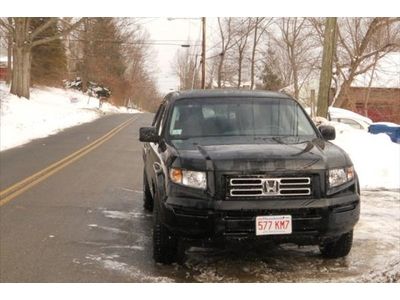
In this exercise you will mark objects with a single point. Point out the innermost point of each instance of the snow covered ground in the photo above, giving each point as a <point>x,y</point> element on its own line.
<point>49,111</point>
<point>375,157</point>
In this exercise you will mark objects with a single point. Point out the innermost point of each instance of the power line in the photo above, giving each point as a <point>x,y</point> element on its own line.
<point>132,43</point>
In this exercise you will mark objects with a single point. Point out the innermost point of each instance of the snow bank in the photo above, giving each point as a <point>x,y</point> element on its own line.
<point>375,157</point>
<point>47,112</point>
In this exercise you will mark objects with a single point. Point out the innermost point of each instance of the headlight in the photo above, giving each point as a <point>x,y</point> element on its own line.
<point>189,178</point>
<point>340,176</point>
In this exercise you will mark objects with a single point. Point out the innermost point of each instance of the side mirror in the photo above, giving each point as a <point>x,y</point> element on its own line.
<point>328,132</point>
<point>148,134</point>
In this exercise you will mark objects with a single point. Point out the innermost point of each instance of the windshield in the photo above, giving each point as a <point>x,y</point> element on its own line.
<point>238,117</point>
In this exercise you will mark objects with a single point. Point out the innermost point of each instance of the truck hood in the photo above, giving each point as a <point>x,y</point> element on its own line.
<point>259,154</point>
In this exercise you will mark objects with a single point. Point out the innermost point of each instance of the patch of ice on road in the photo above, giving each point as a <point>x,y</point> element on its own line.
<point>110,229</point>
<point>133,247</point>
<point>115,214</point>
<point>386,273</point>
<point>130,190</point>
<point>132,272</point>
<point>126,189</point>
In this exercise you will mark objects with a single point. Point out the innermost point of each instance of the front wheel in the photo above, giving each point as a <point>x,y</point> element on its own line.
<point>148,202</point>
<point>338,248</point>
<point>165,245</point>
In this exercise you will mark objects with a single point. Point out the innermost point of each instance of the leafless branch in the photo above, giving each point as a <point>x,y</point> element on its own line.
<point>60,34</point>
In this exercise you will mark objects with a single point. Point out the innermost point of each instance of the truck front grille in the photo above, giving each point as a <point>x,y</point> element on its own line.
<point>261,186</point>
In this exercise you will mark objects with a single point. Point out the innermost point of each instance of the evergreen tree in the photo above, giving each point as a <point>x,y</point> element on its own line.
<point>49,62</point>
<point>103,60</point>
<point>271,81</point>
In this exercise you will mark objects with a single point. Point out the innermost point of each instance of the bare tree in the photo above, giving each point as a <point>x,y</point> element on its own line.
<point>226,33</point>
<point>296,40</point>
<point>24,39</point>
<point>244,28</point>
<point>140,83</point>
<point>357,53</point>
<point>260,26</point>
<point>186,67</point>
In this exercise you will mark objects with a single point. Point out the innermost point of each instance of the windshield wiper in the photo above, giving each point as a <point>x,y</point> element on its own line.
<point>183,138</point>
<point>278,140</point>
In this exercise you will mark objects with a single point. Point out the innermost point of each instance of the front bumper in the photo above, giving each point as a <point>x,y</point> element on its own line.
<point>313,220</point>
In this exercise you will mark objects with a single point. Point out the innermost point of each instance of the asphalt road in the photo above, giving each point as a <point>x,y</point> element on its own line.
<point>85,223</point>
<point>48,230</point>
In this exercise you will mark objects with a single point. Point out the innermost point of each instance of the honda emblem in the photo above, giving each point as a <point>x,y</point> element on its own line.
<point>271,186</point>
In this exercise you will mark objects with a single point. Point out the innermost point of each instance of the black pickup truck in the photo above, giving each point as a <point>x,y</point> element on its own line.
<point>223,165</point>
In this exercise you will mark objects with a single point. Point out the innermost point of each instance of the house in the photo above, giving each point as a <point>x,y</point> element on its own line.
<point>3,68</point>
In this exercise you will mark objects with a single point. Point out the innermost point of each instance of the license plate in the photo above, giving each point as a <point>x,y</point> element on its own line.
<point>267,225</point>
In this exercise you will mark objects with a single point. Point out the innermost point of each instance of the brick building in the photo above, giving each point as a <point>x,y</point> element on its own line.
<point>3,70</point>
<point>382,104</point>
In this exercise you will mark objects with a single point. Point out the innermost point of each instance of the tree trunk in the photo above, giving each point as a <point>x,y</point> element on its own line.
<point>343,98</point>
<point>21,75</point>
<point>253,55</point>
<point>296,82</point>
<point>21,79</point>
<point>326,70</point>
<point>222,55</point>
<point>85,66</point>
<point>366,100</point>
<point>220,65</point>
<point>240,69</point>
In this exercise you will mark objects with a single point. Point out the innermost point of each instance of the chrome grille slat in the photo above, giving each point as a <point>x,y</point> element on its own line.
<point>262,186</point>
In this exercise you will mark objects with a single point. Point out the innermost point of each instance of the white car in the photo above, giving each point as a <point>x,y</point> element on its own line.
<point>348,117</point>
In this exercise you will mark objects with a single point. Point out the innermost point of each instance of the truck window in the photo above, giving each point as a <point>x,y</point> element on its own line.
<point>238,117</point>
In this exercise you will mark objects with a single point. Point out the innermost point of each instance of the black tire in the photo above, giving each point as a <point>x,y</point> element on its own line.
<point>148,202</point>
<point>165,245</point>
<point>338,248</point>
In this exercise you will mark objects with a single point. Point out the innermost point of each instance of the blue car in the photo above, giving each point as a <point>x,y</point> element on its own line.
<point>391,129</point>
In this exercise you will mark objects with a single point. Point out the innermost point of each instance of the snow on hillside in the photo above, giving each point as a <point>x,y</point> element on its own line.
<point>47,112</point>
<point>375,157</point>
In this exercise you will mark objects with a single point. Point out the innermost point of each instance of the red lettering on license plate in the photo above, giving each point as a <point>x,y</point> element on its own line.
<point>273,225</point>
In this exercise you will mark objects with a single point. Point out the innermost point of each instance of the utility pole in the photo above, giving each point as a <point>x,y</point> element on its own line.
<point>326,70</point>
<point>203,54</point>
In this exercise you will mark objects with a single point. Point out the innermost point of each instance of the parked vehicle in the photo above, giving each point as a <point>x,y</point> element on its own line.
<point>249,166</point>
<point>391,129</point>
<point>348,117</point>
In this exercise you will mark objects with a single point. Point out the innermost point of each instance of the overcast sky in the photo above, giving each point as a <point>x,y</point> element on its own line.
<point>177,31</point>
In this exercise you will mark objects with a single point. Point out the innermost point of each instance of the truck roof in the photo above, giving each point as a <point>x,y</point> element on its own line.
<point>225,93</point>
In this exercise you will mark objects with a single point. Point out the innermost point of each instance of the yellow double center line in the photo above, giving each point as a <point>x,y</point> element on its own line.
<point>13,191</point>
